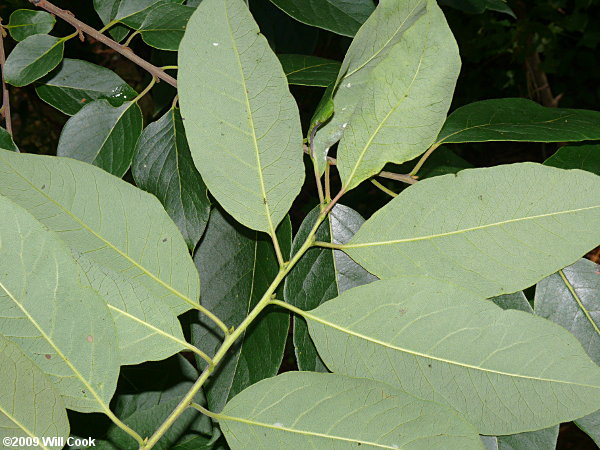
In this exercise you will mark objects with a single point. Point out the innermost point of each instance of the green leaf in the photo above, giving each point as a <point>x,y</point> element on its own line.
<point>107,11</point>
<point>321,275</point>
<point>164,26</point>
<point>33,58</point>
<point>381,32</point>
<point>519,120</point>
<point>479,228</point>
<point>506,371</point>
<point>109,139</point>
<point>163,166</point>
<point>305,70</point>
<point>237,266</point>
<point>340,16</point>
<point>26,22</point>
<point>315,410</point>
<point>242,122</point>
<point>133,13</point>
<point>479,6</point>
<point>6,141</point>
<point>147,329</point>
<point>405,101</point>
<point>148,396</point>
<point>41,284</point>
<point>76,83</point>
<point>584,157</point>
<point>590,424</point>
<point>516,301</point>
<point>30,406</point>
<point>571,298</point>
<point>545,439</point>
<point>113,223</point>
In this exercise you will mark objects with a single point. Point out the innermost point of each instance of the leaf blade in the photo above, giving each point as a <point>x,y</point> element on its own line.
<point>32,58</point>
<point>442,343</point>
<point>247,102</point>
<point>483,215</point>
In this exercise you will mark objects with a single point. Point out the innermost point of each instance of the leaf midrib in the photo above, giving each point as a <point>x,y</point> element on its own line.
<point>302,432</point>
<point>250,116</point>
<point>381,343</point>
<point>467,230</point>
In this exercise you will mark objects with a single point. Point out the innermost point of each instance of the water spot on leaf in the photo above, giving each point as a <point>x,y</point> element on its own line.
<point>278,424</point>
<point>216,44</point>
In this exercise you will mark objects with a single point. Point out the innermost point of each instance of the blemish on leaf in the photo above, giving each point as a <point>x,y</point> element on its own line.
<point>480,197</point>
<point>43,186</point>
<point>216,44</point>
<point>47,356</point>
<point>90,339</point>
<point>83,100</point>
<point>278,424</point>
<point>164,240</point>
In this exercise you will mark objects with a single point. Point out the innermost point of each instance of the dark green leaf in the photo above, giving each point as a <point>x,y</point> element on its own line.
<point>26,22</point>
<point>109,139</point>
<point>133,12</point>
<point>164,26</point>
<point>571,298</point>
<point>6,141</point>
<point>584,157</point>
<point>149,394</point>
<point>33,58</point>
<point>321,275</point>
<point>518,119</point>
<point>340,16</point>
<point>76,83</point>
<point>516,301</point>
<point>107,10</point>
<point>479,6</point>
<point>237,265</point>
<point>163,166</point>
<point>305,70</point>
<point>533,440</point>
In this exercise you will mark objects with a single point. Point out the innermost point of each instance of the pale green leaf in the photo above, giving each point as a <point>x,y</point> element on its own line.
<point>584,157</point>
<point>373,42</point>
<point>6,141</point>
<point>26,22</point>
<point>404,102</point>
<point>76,83</point>
<point>242,122</point>
<point>237,266</point>
<point>521,120</point>
<point>321,275</point>
<point>496,230</point>
<point>46,308</point>
<point>163,166</point>
<point>306,70</point>
<point>506,371</point>
<point>147,329</point>
<point>327,411</point>
<point>340,16</point>
<point>33,58</point>
<point>533,440</point>
<point>113,223</point>
<point>164,26</point>
<point>30,406</point>
<point>109,139</point>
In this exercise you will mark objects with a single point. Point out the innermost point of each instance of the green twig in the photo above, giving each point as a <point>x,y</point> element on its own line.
<point>426,155</point>
<point>265,301</point>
